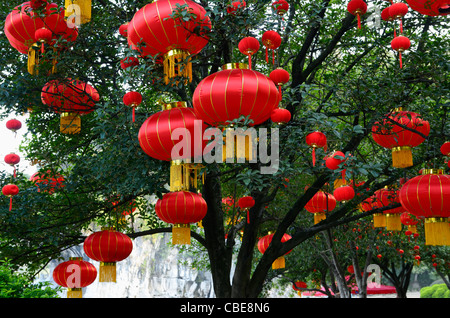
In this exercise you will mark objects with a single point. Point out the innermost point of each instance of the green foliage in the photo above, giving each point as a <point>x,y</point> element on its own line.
<point>435,291</point>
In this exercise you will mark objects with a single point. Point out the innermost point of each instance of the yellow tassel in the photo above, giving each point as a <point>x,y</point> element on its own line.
<point>107,272</point>
<point>74,293</point>
<point>181,234</point>
<point>242,150</point>
<point>339,182</point>
<point>177,64</point>
<point>379,220</point>
<point>412,228</point>
<point>278,263</point>
<point>70,123</point>
<point>33,59</point>
<point>319,217</point>
<point>393,222</point>
<point>79,7</point>
<point>437,231</point>
<point>184,176</point>
<point>402,157</point>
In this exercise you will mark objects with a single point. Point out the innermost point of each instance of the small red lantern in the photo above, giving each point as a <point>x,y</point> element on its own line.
<point>344,193</point>
<point>400,44</point>
<point>249,46</point>
<point>132,99</point>
<point>281,7</point>
<point>181,208</point>
<point>332,162</point>
<point>272,41</point>
<point>246,203</point>
<point>75,274</point>
<point>315,140</point>
<point>358,8</point>
<point>10,190</point>
<point>47,181</point>
<point>430,7</point>
<point>445,148</point>
<point>12,159</point>
<point>406,219</point>
<point>280,116</point>
<point>236,6</point>
<point>398,11</point>
<point>320,204</point>
<point>390,218</point>
<point>108,247</point>
<point>129,61</point>
<point>123,30</point>
<point>264,243</point>
<point>386,14</point>
<point>280,77</point>
<point>13,125</point>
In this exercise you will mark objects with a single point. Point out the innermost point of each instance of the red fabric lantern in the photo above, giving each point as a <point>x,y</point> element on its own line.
<point>181,208</point>
<point>236,6</point>
<point>358,8</point>
<point>132,99</point>
<point>425,196</point>
<point>280,6</point>
<point>386,14</point>
<point>14,125</point>
<point>320,204</point>
<point>315,140</point>
<point>43,35</point>
<point>391,219</point>
<point>70,98</point>
<point>406,219</point>
<point>445,148</point>
<point>246,203</point>
<point>12,159</point>
<point>344,193</point>
<point>129,61</point>
<point>391,136</point>
<point>10,190</point>
<point>123,30</point>
<point>332,162</point>
<point>108,247</point>
<point>47,181</point>
<point>280,77</point>
<point>430,7</point>
<point>249,46</point>
<point>398,11</point>
<point>400,44</point>
<point>74,274</point>
<point>280,116</point>
<point>264,243</point>
<point>152,31</point>
<point>233,92</point>
<point>272,41</point>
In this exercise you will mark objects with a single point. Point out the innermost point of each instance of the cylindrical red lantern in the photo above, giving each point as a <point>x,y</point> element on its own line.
<point>108,247</point>
<point>132,99</point>
<point>430,7</point>
<point>272,41</point>
<point>280,6</point>
<point>10,190</point>
<point>358,8</point>
<point>425,197</point>
<point>315,140</point>
<point>264,243</point>
<point>344,193</point>
<point>74,274</point>
<point>181,208</point>
<point>14,125</point>
<point>249,46</point>
<point>400,44</point>
<point>320,204</point>
<point>280,116</point>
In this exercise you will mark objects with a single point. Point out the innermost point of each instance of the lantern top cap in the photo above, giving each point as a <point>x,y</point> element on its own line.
<point>234,66</point>
<point>432,171</point>
<point>75,258</point>
<point>172,105</point>
<point>108,228</point>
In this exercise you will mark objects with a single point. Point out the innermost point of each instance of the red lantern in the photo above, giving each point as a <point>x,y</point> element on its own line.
<point>279,76</point>
<point>181,208</point>
<point>108,247</point>
<point>389,135</point>
<point>236,6</point>
<point>123,30</point>
<point>315,140</point>
<point>400,44</point>
<point>12,159</point>
<point>43,35</point>
<point>389,218</point>
<point>132,99</point>
<point>129,61</point>
<point>386,15</point>
<point>281,7</point>
<point>298,286</point>
<point>264,243</point>
<point>398,11</point>
<point>425,197</point>
<point>344,193</point>
<point>430,7</point>
<point>272,41</point>
<point>246,203</point>
<point>74,274</point>
<point>37,4</point>
<point>332,162</point>
<point>14,125</point>
<point>10,190</point>
<point>358,8</point>
<point>280,116</point>
<point>407,220</point>
<point>249,46</point>
<point>445,148</point>
<point>181,39</point>
<point>70,98</point>
<point>233,92</point>
<point>320,204</point>
<point>47,181</point>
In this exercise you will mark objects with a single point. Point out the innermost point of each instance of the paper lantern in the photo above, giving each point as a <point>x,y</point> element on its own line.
<point>320,204</point>
<point>13,125</point>
<point>344,193</point>
<point>400,44</point>
<point>315,140</point>
<point>272,41</point>
<point>74,274</point>
<point>47,181</point>
<point>280,116</point>
<point>108,247</point>
<point>280,77</point>
<point>430,7</point>
<point>407,220</point>
<point>181,208</point>
<point>280,7</point>
<point>264,243</point>
<point>10,190</point>
<point>132,99</point>
<point>249,46</point>
<point>389,135</point>
<point>358,8</point>
<point>152,31</point>
<point>398,11</point>
<point>80,8</point>
<point>246,203</point>
<point>332,162</point>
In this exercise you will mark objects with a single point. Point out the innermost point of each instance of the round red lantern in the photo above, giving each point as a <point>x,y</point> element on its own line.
<point>153,31</point>
<point>397,11</point>
<point>236,6</point>
<point>47,181</point>
<point>315,140</point>
<point>400,44</point>
<point>425,197</point>
<point>234,92</point>
<point>249,46</point>
<point>320,204</point>
<point>280,6</point>
<point>407,219</point>
<point>389,135</point>
<point>181,208</point>
<point>445,148</point>
<point>12,159</point>
<point>123,30</point>
<point>299,286</point>
<point>43,35</point>
<point>246,203</point>
<point>10,190</point>
<point>14,125</point>
<point>358,8</point>
<point>344,193</point>
<point>264,243</point>
<point>74,274</point>
<point>280,77</point>
<point>129,61</point>
<point>132,99</point>
<point>108,247</point>
<point>272,41</point>
<point>390,218</point>
<point>332,161</point>
<point>430,7</point>
<point>280,116</point>
<point>386,14</point>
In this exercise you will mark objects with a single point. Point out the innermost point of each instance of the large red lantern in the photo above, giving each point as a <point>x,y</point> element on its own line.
<point>358,8</point>
<point>249,46</point>
<point>426,197</point>
<point>320,204</point>
<point>430,7</point>
<point>108,247</point>
<point>181,208</point>
<point>389,135</point>
<point>264,243</point>
<point>74,274</point>
<point>272,41</point>
<point>70,98</point>
<point>234,92</point>
<point>315,140</point>
<point>153,31</point>
<point>10,190</point>
<point>400,44</point>
<point>47,181</point>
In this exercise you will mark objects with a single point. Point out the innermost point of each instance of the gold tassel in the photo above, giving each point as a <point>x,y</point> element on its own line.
<point>379,220</point>
<point>173,66</point>
<point>412,228</point>
<point>181,234</point>
<point>70,123</point>
<point>33,59</point>
<point>74,293</point>
<point>402,157</point>
<point>184,176</point>
<point>393,222</point>
<point>319,217</point>
<point>241,150</point>
<point>84,9</point>
<point>278,263</point>
<point>339,183</point>
<point>107,272</point>
<point>437,231</point>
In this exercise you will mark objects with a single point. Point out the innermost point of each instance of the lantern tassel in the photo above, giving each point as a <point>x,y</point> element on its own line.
<point>10,203</point>
<point>249,62</point>
<point>273,57</point>
<point>400,57</point>
<point>401,25</point>
<point>279,263</point>
<point>248,216</point>
<point>359,21</point>
<point>412,228</point>
<point>314,156</point>
<point>379,220</point>
<point>107,272</point>
<point>74,293</point>
<point>181,234</point>
<point>393,222</point>
<point>133,116</point>
<point>319,217</point>
<point>437,231</point>
<point>267,55</point>
<point>402,157</point>
<point>14,171</point>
